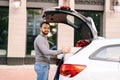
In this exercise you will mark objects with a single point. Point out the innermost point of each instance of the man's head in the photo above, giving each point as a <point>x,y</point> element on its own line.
<point>45,28</point>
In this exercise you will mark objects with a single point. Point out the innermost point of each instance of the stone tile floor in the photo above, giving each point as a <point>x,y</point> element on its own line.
<point>21,72</point>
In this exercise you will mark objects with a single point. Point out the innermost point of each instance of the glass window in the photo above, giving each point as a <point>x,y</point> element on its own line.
<point>108,53</point>
<point>33,22</point>
<point>82,32</point>
<point>3,30</point>
<point>97,17</point>
<point>72,20</point>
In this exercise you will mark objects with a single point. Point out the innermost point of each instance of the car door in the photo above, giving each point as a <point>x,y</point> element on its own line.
<point>84,25</point>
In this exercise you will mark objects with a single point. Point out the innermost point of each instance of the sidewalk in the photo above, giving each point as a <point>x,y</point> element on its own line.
<point>21,72</point>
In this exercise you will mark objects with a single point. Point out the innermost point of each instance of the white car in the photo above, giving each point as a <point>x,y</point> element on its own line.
<point>94,58</point>
<point>100,60</point>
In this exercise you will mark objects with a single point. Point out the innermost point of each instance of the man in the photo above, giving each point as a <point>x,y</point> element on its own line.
<point>42,52</point>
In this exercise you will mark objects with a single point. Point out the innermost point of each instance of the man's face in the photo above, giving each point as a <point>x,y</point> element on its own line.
<point>45,29</point>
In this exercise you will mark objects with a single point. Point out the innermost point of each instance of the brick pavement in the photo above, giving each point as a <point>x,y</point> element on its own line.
<point>21,72</point>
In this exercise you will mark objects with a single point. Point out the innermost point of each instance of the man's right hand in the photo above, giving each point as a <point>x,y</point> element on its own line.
<point>66,50</point>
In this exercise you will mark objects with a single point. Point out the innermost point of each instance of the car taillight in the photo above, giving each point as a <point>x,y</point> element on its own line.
<point>70,70</point>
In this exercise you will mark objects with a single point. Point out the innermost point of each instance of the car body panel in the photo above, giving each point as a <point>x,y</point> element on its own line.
<point>96,69</point>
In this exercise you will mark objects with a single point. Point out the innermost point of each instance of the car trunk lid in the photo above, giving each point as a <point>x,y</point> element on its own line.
<point>72,18</point>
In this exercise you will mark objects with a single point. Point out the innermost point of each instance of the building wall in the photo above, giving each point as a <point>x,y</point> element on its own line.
<point>111,21</point>
<point>64,29</point>
<point>17,26</point>
<point>17,31</point>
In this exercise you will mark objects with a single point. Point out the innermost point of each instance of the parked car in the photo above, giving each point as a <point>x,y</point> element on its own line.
<point>100,60</point>
<point>93,58</point>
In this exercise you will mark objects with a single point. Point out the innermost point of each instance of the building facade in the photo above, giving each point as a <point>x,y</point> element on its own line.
<point>23,22</point>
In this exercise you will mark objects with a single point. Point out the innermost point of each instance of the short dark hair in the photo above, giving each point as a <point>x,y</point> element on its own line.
<point>44,22</point>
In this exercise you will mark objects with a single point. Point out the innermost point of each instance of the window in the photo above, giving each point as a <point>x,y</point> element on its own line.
<point>3,30</point>
<point>33,22</point>
<point>108,53</point>
<point>97,17</point>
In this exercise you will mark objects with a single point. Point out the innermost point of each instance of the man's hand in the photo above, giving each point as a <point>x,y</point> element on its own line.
<point>66,50</point>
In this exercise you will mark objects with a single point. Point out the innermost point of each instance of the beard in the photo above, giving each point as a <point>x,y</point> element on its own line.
<point>45,32</point>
